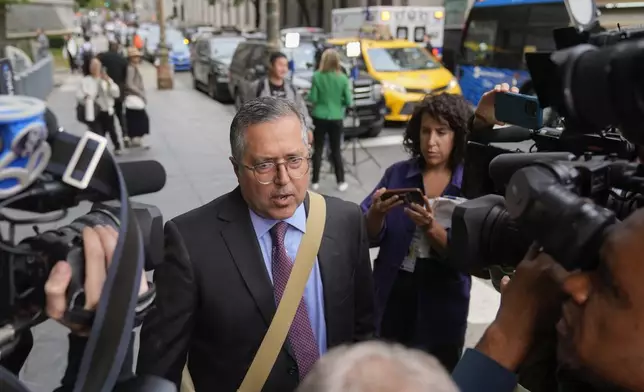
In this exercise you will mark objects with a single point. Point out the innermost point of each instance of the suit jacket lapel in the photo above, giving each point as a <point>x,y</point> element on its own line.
<point>242,244</point>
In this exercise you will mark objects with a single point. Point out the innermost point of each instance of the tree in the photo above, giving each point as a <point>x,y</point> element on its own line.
<point>4,10</point>
<point>258,11</point>
<point>304,4</point>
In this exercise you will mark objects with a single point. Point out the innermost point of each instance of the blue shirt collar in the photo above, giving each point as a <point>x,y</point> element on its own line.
<point>415,170</point>
<point>263,225</point>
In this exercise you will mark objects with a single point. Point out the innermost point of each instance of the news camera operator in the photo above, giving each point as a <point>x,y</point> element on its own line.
<point>78,291</point>
<point>99,244</point>
<point>600,323</point>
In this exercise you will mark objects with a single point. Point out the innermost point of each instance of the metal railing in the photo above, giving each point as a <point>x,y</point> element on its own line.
<point>36,81</point>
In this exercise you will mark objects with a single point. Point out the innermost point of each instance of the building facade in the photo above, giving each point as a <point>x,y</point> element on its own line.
<point>56,17</point>
<point>251,14</point>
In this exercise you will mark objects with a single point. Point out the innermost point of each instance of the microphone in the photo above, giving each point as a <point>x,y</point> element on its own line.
<point>510,134</point>
<point>141,178</point>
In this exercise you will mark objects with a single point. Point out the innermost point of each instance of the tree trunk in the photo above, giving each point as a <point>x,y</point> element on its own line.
<point>258,14</point>
<point>3,28</point>
<point>305,12</point>
<point>273,23</point>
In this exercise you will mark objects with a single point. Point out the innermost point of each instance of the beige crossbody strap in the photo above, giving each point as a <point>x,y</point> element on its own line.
<point>278,330</point>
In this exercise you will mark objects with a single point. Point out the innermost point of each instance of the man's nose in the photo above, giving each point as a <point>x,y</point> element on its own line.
<point>281,176</point>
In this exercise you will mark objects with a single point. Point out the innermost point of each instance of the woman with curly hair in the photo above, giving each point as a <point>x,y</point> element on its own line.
<point>420,300</point>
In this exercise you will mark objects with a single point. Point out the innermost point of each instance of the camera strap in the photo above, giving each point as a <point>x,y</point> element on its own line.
<point>85,163</point>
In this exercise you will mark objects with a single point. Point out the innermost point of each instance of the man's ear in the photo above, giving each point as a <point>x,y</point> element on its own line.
<point>235,166</point>
<point>578,285</point>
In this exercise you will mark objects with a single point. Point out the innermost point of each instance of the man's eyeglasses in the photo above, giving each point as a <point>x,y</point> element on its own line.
<point>265,172</point>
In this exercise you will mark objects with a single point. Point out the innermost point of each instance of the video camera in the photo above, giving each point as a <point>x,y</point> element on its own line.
<point>43,171</point>
<point>584,176</point>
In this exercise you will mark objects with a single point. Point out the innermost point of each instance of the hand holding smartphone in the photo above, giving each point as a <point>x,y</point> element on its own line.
<point>518,109</point>
<point>407,195</point>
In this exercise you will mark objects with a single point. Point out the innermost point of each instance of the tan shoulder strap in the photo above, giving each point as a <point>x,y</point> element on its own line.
<point>275,337</point>
<point>278,330</point>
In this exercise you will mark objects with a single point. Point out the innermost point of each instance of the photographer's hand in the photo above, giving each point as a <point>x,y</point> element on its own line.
<point>484,114</point>
<point>532,298</point>
<point>98,243</point>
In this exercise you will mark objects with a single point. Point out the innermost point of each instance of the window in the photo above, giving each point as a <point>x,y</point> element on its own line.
<point>419,34</point>
<point>400,59</point>
<point>500,36</point>
<point>401,33</point>
<point>202,48</point>
<point>303,56</point>
<point>241,56</point>
<point>259,56</point>
<point>223,48</point>
<point>480,41</point>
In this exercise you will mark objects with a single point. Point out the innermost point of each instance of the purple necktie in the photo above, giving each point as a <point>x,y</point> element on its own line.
<point>301,336</point>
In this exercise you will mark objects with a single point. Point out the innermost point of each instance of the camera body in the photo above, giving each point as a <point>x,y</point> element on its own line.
<point>584,175</point>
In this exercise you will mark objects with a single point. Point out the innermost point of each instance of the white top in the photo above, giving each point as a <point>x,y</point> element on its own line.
<point>103,92</point>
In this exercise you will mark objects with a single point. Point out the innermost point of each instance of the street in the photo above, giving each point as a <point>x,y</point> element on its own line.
<point>189,136</point>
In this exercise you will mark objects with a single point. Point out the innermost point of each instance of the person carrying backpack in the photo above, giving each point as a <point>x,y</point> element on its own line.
<point>86,54</point>
<point>276,85</point>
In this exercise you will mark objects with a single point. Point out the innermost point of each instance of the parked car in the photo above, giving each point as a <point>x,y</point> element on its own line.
<point>211,61</point>
<point>178,51</point>
<point>249,63</point>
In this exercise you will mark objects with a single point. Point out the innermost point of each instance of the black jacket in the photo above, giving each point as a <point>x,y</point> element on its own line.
<point>215,299</point>
<point>116,66</point>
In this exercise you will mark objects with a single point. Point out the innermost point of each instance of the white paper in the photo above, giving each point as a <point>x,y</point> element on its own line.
<point>444,207</point>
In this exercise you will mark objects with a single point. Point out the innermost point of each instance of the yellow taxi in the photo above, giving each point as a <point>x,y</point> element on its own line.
<point>406,71</point>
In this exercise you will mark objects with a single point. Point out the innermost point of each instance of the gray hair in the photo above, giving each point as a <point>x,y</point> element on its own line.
<point>258,111</point>
<point>377,367</point>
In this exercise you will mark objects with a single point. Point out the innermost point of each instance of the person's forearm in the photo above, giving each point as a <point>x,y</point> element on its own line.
<point>375,222</point>
<point>501,348</point>
<point>437,236</point>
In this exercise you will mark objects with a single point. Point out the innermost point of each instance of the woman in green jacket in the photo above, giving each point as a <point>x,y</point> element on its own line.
<point>330,95</point>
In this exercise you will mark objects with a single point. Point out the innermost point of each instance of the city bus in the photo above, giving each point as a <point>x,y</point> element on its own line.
<point>497,35</point>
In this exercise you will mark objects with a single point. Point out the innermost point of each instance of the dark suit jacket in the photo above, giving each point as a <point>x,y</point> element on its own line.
<point>215,299</point>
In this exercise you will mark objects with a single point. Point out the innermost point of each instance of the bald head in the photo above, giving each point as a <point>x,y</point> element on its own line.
<point>377,367</point>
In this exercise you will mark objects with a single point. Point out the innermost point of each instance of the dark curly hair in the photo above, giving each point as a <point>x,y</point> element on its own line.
<point>453,109</point>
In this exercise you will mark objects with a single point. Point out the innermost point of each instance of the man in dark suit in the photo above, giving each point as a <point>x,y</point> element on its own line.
<point>116,66</point>
<point>225,266</point>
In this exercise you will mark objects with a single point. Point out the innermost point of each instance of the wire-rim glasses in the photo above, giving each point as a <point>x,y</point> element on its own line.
<point>266,172</point>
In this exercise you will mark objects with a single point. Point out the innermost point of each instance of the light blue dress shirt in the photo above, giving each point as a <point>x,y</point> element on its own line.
<point>313,292</point>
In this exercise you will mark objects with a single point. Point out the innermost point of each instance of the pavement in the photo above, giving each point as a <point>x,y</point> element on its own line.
<point>189,136</point>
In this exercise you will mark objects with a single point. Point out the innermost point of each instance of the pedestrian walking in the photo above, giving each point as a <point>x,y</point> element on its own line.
<point>116,66</point>
<point>96,103</point>
<point>136,117</point>
<point>43,44</point>
<point>330,95</point>
<point>86,54</point>
<point>70,52</point>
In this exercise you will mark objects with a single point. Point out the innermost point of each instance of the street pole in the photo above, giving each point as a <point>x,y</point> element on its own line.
<point>164,71</point>
<point>273,23</point>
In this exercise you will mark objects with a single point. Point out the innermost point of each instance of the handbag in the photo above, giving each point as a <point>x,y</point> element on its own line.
<point>134,102</point>
<point>81,112</point>
<point>275,337</point>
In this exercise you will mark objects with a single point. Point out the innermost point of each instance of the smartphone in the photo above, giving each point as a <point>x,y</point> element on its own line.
<point>518,109</point>
<point>407,195</point>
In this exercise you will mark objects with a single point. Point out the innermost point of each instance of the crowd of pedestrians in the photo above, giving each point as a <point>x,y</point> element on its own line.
<point>111,91</point>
